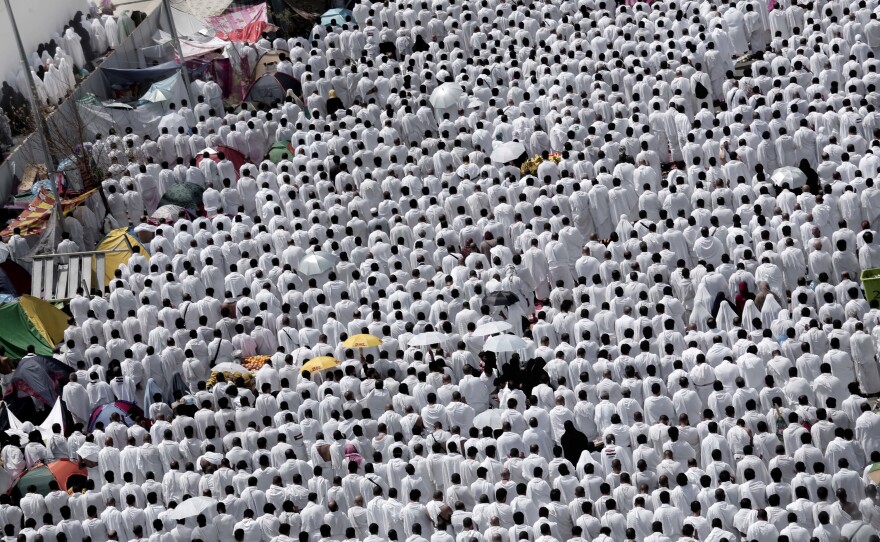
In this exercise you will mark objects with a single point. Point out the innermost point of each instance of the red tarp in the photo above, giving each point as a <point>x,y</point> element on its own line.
<point>231,154</point>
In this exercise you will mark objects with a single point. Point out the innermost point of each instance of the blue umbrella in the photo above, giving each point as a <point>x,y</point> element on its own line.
<point>336,17</point>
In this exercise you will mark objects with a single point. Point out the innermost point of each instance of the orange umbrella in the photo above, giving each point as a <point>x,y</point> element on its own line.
<point>40,475</point>
<point>64,470</point>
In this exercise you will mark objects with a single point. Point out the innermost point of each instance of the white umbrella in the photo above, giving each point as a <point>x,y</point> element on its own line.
<point>508,151</point>
<point>491,328</point>
<point>427,339</point>
<point>504,343</point>
<point>792,176</point>
<point>328,255</point>
<point>476,103</point>
<point>317,263</point>
<point>446,95</point>
<point>488,418</point>
<point>168,212</point>
<point>229,367</point>
<point>192,507</point>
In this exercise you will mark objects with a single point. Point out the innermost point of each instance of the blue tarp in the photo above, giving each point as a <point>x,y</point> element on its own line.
<point>125,77</point>
<point>337,17</point>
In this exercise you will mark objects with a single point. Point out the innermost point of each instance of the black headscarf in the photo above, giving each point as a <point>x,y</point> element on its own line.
<point>812,176</point>
<point>573,443</point>
<point>16,108</point>
<point>84,36</point>
<point>420,45</point>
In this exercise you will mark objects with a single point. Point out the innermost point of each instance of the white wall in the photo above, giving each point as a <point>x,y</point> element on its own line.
<point>38,21</point>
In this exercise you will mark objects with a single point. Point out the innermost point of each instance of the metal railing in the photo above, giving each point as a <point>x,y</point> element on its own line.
<point>56,277</point>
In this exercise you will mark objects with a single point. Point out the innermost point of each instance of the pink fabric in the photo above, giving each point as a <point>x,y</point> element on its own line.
<point>195,49</point>
<point>246,24</point>
<point>352,454</point>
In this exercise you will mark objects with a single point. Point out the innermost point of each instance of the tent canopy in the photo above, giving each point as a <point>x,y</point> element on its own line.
<point>34,391</point>
<point>266,64</point>
<point>272,88</point>
<point>337,17</point>
<point>169,90</point>
<point>126,77</point>
<point>30,321</point>
<point>117,116</point>
<point>12,425</point>
<point>39,377</point>
<point>119,239</point>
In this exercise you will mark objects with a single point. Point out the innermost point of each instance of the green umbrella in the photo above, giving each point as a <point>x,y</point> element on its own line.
<point>186,195</point>
<point>281,150</point>
<point>38,476</point>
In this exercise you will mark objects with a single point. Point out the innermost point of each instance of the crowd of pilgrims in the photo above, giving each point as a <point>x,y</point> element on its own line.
<point>700,355</point>
<point>57,65</point>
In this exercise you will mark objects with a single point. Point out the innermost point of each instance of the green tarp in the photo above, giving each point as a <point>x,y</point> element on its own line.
<point>279,150</point>
<point>19,332</point>
<point>30,321</point>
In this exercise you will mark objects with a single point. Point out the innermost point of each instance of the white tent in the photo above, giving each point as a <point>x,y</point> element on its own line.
<point>166,91</point>
<point>17,427</point>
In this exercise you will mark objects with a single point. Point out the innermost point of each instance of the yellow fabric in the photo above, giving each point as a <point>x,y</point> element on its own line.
<point>49,321</point>
<point>116,240</point>
<point>319,364</point>
<point>362,341</point>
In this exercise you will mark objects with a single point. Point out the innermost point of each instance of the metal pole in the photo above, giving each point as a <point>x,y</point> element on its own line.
<point>41,130</point>
<point>166,5</point>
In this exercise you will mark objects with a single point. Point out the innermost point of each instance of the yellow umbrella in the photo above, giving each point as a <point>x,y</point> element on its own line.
<point>319,364</point>
<point>363,340</point>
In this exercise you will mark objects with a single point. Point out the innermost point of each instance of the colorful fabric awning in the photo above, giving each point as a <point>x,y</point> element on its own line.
<point>34,218</point>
